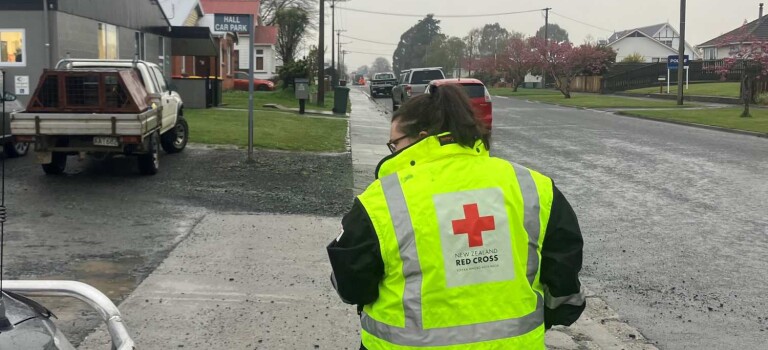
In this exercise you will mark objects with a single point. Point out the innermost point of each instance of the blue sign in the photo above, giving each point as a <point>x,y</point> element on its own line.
<point>673,61</point>
<point>232,23</point>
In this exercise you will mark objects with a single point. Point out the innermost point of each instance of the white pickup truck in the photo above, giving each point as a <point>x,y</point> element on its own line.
<point>102,107</point>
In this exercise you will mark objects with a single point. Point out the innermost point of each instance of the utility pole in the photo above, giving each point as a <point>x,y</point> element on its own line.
<point>338,40</point>
<point>681,55</point>
<point>334,81</point>
<point>546,44</point>
<point>321,57</point>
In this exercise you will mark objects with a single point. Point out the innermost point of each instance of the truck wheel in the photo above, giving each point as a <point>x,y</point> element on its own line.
<point>57,165</point>
<point>149,163</point>
<point>16,149</point>
<point>394,105</point>
<point>175,140</point>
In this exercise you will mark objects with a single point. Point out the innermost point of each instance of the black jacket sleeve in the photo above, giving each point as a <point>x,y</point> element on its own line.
<point>356,258</point>
<point>561,259</point>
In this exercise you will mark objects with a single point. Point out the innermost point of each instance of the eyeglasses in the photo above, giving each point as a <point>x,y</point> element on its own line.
<point>392,144</point>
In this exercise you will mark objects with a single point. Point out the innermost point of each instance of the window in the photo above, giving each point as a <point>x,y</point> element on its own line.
<point>160,79</point>
<point>259,60</point>
<point>108,41</point>
<point>259,63</point>
<point>667,42</point>
<point>12,48</point>
<point>710,53</point>
<point>425,76</point>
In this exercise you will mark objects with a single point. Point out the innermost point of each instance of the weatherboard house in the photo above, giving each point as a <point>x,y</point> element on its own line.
<point>653,43</point>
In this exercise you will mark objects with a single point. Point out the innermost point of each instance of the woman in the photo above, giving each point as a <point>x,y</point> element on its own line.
<point>453,248</point>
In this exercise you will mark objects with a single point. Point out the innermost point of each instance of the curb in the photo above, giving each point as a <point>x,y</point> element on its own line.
<point>700,126</point>
<point>310,112</point>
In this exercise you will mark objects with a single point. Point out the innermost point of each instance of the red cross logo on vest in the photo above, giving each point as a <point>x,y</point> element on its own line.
<point>473,225</point>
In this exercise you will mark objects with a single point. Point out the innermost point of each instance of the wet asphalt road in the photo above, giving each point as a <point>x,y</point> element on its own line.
<point>675,218</point>
<point>106,225</point>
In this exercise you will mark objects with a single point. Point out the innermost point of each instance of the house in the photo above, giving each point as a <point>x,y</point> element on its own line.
<point>265,63</point>
<point>35,35</point>
<point>717,48</point>
<point>654,43</point>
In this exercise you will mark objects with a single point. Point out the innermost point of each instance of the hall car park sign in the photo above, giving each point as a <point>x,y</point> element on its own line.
<point>232,23</point>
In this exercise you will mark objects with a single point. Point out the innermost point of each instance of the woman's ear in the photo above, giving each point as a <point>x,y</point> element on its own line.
<point>423,134</point>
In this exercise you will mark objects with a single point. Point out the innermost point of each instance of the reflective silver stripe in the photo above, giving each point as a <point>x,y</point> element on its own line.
<point>532,221</point>
<point>414,334</point>
<point>406,241</point>
<point>456,335</point>
<point>577,299</point>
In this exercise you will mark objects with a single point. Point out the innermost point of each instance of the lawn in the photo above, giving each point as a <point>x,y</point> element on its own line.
<point>724,89</point>
<point>722,117</point>
<point>507,92</point>
<point>272,130</point>
<point>585,100</point>
<point>239,99</point>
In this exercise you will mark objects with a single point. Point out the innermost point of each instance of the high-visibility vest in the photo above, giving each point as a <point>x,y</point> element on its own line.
<point>460,235</point>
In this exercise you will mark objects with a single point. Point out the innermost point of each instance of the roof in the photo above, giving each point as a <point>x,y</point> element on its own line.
<point>456,81</point>
<point>649,31</point>
<point>265,35</point>
<point>178,10</point>
<point>244,7</point>
<point>757,28</point>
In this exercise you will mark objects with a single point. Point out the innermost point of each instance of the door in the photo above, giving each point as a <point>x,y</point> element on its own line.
<point>170,100</point>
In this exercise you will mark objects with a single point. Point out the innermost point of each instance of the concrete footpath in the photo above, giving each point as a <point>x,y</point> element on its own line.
<point>261,281</point>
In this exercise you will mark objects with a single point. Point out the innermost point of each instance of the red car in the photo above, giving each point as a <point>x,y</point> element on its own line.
<point>241,83</point>
<point>478,94</point>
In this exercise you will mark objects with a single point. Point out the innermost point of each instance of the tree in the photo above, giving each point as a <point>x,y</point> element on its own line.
<point>634,58</point>
<point>362,70</point>
<point>564,61</point>
<point>292,27</point>
<point>446,52</point>
<point>555,33</point>
<point>411,51</point>
<point>268,9</point>
<point>518,60</point>
<point>472,45</point>
<point>492,39</point>
<point>380,65</point>
<point>748,54</point>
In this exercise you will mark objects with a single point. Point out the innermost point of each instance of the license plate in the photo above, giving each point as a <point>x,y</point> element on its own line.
<point>105,141</point>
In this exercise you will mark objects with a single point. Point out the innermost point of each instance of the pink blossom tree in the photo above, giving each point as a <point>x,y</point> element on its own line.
<point>749,54</point>
<point>565,61</point>
<point>519,59</point>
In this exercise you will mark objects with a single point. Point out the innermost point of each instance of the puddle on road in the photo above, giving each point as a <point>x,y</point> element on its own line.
<point>116,278</point>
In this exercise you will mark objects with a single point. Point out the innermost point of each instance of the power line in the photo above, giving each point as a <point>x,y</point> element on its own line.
<point>368,41</point>
<point>367,53</point>
<point>355,49</point>
<point>584,23</point>
<point>436,15</point>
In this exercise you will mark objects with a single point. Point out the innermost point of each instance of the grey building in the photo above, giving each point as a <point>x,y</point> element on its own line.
<point>35,34</point>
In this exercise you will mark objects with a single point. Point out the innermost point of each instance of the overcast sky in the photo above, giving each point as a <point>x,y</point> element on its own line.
<point>706,19</point>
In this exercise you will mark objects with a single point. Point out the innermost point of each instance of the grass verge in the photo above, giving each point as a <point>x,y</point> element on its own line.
<point>585,100</point>
<point>721,117</point>
<point>723,89</point>
<point>239,99</point>
<point>272,130</point>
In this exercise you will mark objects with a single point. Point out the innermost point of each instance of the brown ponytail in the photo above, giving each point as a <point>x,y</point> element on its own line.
<point>445,109</point>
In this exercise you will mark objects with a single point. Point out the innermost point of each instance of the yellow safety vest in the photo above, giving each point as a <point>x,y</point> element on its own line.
<point>460,235</point>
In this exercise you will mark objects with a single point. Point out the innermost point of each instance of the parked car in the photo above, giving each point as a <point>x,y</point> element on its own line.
<point>241,83</point>
<point>478,94</point>
<point>413,82</point>
<point>102,107</point>
<point>382,84</point>
<point>11,148</point>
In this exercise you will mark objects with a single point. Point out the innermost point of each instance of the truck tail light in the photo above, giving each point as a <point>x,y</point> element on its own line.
<point>487,96</point>
<point>408,90</point>
<point>130,140</point>
<point>25,138</point>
